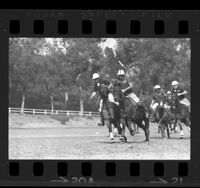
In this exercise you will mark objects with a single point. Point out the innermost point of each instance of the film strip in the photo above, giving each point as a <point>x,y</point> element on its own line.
<point>98,171</point>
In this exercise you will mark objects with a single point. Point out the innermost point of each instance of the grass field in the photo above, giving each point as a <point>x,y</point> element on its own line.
<point>46,137</point>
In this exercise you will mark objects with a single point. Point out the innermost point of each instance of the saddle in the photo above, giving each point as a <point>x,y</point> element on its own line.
<point>137,105</point>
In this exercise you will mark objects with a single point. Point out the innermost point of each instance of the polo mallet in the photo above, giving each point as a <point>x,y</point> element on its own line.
<point>163,117</point>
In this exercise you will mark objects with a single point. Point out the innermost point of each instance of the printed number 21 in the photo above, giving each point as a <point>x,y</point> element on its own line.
<point>177,180</point>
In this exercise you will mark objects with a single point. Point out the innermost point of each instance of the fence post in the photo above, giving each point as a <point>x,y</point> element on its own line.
<point>34,111</point>
<point>9,110</point>
<point>45,112</point>
<point>67,113</point>
<point>56,111</point>
<point>90,113</point>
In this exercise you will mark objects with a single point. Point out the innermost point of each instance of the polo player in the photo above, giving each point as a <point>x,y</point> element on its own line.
<point>127,89</point>
<point>180,93</point>
<point>156,97</point>
<point>98,84</point>
<point>168,99</point>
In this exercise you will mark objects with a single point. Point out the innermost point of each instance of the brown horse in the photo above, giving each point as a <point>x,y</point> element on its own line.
<point>182,114</point>
<point>130,111</point>
<point>164,117</point>
<point>110,113</point>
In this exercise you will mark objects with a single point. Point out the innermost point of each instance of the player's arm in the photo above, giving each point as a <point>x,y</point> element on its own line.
<point>93,94</point>
<point>129,87</point>
<point>94,91</point>
<point>111,98</point>
<point>182,92</point>
<point>153,100</point>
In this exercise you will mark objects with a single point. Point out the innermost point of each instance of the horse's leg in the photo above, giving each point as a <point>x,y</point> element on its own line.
<point>171,126</point>
<point>188,124</point>
<point>145,129</point>
<point>162,128</point>
<point>175,126</point>
<point>115,129</point>
<point>146,121</point>
<point>122,127</point>
<point>119,128</point>
<point>181,128</point>
<point>131,128</point>
<point>159,128</point>
<point>136,128</point>
<point>109,125</point>
<point>167,126</point>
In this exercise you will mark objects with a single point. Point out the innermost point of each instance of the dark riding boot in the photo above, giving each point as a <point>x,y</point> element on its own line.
<point>146,111</point>
<point>101,123</point>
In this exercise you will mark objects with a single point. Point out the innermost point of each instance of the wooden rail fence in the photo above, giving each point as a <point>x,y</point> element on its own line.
<point>49,112</point>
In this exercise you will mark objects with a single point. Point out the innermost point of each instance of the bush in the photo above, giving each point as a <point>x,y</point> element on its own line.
<point>61,117</point>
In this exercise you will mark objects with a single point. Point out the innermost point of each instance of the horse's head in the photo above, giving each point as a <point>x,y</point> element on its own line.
<point>104,90</point>
<point>174,101</point>
<point>161,102</point>
<point>117,93</point>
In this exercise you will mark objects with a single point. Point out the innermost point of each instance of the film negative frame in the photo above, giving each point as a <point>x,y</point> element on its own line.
<point>83,24</point>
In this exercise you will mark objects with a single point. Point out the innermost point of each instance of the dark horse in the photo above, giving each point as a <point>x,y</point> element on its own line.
<point>164,116</point>
<point>110,113</point>
<point>130,112</point>
<point>182,114</point>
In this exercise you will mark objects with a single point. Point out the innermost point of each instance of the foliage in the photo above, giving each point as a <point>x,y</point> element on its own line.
<point>40,70</point>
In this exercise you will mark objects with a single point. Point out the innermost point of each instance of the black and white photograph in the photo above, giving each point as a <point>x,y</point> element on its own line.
<point>99,98</point>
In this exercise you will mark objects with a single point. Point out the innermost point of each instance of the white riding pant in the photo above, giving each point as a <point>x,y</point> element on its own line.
<point>185,101</point>
<point>110,98</point>
<point>134,97</point>
<point>154,106</point>
<point>166,106</point>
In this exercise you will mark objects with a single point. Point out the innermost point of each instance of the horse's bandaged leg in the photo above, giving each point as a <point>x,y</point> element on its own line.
<point>100,105</point>
<point>115,131</point>
<point>121,125</point>
<point>188,128</point>
<point>134,97</point>
<point>185,101</point>
<point>111,135</point>
<point>182,133</point>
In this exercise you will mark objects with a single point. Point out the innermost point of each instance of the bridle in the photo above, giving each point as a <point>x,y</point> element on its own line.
<point>119,94</point>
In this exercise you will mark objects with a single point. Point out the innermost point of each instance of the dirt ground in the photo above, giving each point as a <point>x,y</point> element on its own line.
<point>41,137</point>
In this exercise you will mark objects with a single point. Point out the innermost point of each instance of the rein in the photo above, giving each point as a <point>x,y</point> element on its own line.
<point>163,117</point>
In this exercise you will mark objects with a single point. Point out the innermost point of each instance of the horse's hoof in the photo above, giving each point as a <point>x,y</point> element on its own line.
<point>122,139</point>
<point>147,142</point>
<point>112,140</point>
<point>181,137</point>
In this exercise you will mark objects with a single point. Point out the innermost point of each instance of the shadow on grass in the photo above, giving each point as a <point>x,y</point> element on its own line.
<point>118,142</point>
<point>171,138</point>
